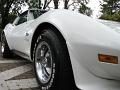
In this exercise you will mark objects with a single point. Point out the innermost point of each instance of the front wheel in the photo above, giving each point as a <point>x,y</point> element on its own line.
<point>52,64</point>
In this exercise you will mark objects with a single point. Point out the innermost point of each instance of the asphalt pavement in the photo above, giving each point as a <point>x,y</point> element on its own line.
<point>17,74</point>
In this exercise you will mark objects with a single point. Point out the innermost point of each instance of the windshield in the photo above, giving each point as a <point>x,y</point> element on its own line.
<point>37,13</point>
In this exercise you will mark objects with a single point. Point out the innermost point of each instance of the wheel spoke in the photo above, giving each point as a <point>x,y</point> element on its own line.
<point>48,70</point>
<point>47,54</point>
<point>46,74</point>
<point>44,60</point>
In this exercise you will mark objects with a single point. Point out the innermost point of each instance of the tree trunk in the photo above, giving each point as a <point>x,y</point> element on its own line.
<point>56,4</point>
<point>66,4</point>
<point>39,4</point>
<point>5,11</point>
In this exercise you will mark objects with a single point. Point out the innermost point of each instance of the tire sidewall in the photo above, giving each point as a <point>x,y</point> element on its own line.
<point>51,84</point>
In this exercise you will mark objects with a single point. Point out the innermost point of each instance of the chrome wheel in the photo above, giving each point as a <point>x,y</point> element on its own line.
<point>43,62</point>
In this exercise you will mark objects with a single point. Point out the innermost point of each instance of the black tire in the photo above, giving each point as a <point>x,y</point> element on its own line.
<point>6,53</point>
<point>62,75</point>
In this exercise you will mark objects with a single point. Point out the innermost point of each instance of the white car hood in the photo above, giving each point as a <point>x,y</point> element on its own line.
<point>112,24</point>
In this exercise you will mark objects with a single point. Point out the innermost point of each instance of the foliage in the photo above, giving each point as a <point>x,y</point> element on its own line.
<point>111,10</point>
<point>110,6</point>
<point>41,4</point>
<point>114,17</point>
<point>85,10</point>
<point>5,6</point>
<point>11,17</point>
<point>16,6</point>
<point>80,5</point>
<point>4,10</point>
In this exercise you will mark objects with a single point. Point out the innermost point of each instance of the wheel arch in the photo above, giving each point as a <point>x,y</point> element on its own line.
<point>40,28</point>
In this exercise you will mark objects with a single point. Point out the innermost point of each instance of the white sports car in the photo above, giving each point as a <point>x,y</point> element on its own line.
<point>70,51</point>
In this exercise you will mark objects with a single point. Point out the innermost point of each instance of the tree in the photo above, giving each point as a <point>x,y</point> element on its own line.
<point>34,3</point>
<point>17,6</point>
<point>110,10</point>
<point>41,4</point>
<point>80,5</point>
<point>56,3</point>
<point>66,4</point>
<point>110,6</point>
<point>76,3</point>
<point>5,6</point>
<point>85,10</point>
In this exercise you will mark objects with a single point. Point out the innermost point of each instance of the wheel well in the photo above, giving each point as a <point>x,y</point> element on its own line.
<point>39,30</point>
<point>58,33</point>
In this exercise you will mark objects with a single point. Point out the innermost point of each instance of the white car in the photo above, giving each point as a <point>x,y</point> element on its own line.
<point>70,51</point>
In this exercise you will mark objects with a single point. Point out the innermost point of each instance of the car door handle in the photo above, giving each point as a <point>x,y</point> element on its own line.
<point>26,38</point>
<point>26,34</point>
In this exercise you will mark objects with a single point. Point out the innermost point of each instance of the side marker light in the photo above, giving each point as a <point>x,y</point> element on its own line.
<point>108,58</point>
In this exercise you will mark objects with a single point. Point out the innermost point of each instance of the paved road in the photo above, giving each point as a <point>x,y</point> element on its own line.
<point>17,74</point>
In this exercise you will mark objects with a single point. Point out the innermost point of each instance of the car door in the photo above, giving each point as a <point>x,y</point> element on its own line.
<point>19,34</point>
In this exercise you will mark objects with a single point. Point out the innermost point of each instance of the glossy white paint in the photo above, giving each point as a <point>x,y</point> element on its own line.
<point>85,38</point>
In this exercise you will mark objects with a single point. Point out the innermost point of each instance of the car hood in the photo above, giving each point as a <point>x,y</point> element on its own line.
<point>112,24</point>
